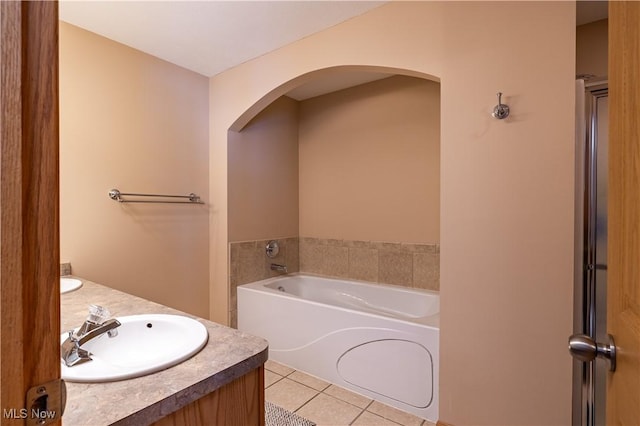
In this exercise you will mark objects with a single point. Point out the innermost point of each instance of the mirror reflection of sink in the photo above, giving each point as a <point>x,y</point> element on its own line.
<point>69,284</point>
<point>144,344</point>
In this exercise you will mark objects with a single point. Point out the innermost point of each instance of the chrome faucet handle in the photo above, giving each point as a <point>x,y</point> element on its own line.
<point>98,314</point>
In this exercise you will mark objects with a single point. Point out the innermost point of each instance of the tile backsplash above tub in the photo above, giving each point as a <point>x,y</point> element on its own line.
<point>403,264</point>
<point>249,261</point>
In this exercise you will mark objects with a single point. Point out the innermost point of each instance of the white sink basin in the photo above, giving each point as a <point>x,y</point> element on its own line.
<point>144,344</point>
<point>69,284</point>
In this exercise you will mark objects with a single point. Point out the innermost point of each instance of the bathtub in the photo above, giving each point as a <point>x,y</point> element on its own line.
<point>380,341</point>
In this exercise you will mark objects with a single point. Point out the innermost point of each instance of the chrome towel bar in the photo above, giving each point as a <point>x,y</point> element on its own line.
<point>116,195</point>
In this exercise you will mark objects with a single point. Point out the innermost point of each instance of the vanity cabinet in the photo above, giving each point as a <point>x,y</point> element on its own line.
<point>238,403</point>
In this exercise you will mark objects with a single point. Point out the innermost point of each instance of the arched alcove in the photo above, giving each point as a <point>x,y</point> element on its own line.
<point>322,73</point>
<point>356,165</point>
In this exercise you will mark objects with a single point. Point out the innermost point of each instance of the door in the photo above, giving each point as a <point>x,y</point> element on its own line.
<point>623,316</point>
<point>29,236</point>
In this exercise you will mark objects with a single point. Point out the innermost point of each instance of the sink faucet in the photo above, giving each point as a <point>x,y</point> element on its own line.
<point>95,325</point>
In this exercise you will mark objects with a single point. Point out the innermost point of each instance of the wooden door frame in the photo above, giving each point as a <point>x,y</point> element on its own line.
<point>29,202</point>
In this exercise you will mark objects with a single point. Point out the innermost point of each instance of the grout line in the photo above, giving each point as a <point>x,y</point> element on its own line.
<point>302,372</point>
<point>281,377</point>
<point>357,417</point>
<point>340,399</point>
<point>306,402</point>
<point>369,405</point>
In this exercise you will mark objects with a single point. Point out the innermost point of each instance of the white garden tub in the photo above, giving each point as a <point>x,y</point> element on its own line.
<point>378,340</point>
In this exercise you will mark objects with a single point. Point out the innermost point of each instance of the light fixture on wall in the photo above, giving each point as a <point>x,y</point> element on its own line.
<point>501,111</point>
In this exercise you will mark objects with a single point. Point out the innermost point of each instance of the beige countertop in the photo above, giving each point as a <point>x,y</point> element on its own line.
<point>228,354</point>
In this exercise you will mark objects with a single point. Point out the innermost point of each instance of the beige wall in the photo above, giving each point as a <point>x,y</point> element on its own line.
<point>370,162</point>
<point>592,48</point>
<point>507,186</point>
<point>263,175</point>
<point>133,122</point>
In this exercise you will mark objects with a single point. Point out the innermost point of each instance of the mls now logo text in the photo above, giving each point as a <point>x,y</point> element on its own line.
<point>23,413</point>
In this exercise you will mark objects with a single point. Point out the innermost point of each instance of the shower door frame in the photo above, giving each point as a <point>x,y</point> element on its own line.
<point>589,383</point>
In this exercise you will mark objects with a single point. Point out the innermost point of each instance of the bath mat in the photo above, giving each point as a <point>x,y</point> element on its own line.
<point>278,416</point>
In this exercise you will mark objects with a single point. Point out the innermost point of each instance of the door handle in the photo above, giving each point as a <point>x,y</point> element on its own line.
<point>584,348</point>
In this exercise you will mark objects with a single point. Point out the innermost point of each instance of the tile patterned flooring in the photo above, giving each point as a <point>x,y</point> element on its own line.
<point>327,404</point>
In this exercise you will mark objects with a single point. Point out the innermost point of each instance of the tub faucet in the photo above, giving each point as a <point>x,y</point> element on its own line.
<point>279,268</point>
<point>95,325</point>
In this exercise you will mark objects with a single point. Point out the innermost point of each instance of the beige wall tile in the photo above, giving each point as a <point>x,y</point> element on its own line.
<point>250,266</point>
<point>388,246</point>
<point>418,248</point>
<point>233,296</point>
<point>233,318</point>
<point>293,255</point>
<point>426,271</point>
<point>65,269</point>
<point>363,264</point>
<point>336,261</point>
<point>312,256</point>
<point>326,410</point>
<point>358,243</point>
<point>395,267</point>
<point>234,255</point>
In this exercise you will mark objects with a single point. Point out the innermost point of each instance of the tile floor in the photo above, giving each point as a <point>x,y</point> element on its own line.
<point>327,404</point>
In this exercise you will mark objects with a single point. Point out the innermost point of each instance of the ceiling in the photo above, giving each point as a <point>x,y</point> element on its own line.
<point>211,36</point>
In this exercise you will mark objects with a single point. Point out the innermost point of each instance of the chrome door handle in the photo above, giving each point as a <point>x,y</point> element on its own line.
<point>584,348</point>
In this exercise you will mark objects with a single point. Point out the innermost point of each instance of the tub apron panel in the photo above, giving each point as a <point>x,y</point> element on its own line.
<point>381,356</point>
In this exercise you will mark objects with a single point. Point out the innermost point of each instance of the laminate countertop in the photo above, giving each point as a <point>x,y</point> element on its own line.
<point>228,355</point>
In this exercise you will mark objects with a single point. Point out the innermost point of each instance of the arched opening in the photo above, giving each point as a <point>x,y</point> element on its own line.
<point>342,168</point>
<point>354,162</point>
<point>335,76</point>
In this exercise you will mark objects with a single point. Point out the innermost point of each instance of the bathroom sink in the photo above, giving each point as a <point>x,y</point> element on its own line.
<point>144,344</point>
<point>69,284</point>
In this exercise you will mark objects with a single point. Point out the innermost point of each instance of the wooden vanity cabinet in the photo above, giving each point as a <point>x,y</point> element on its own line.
<point>239,403</point>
